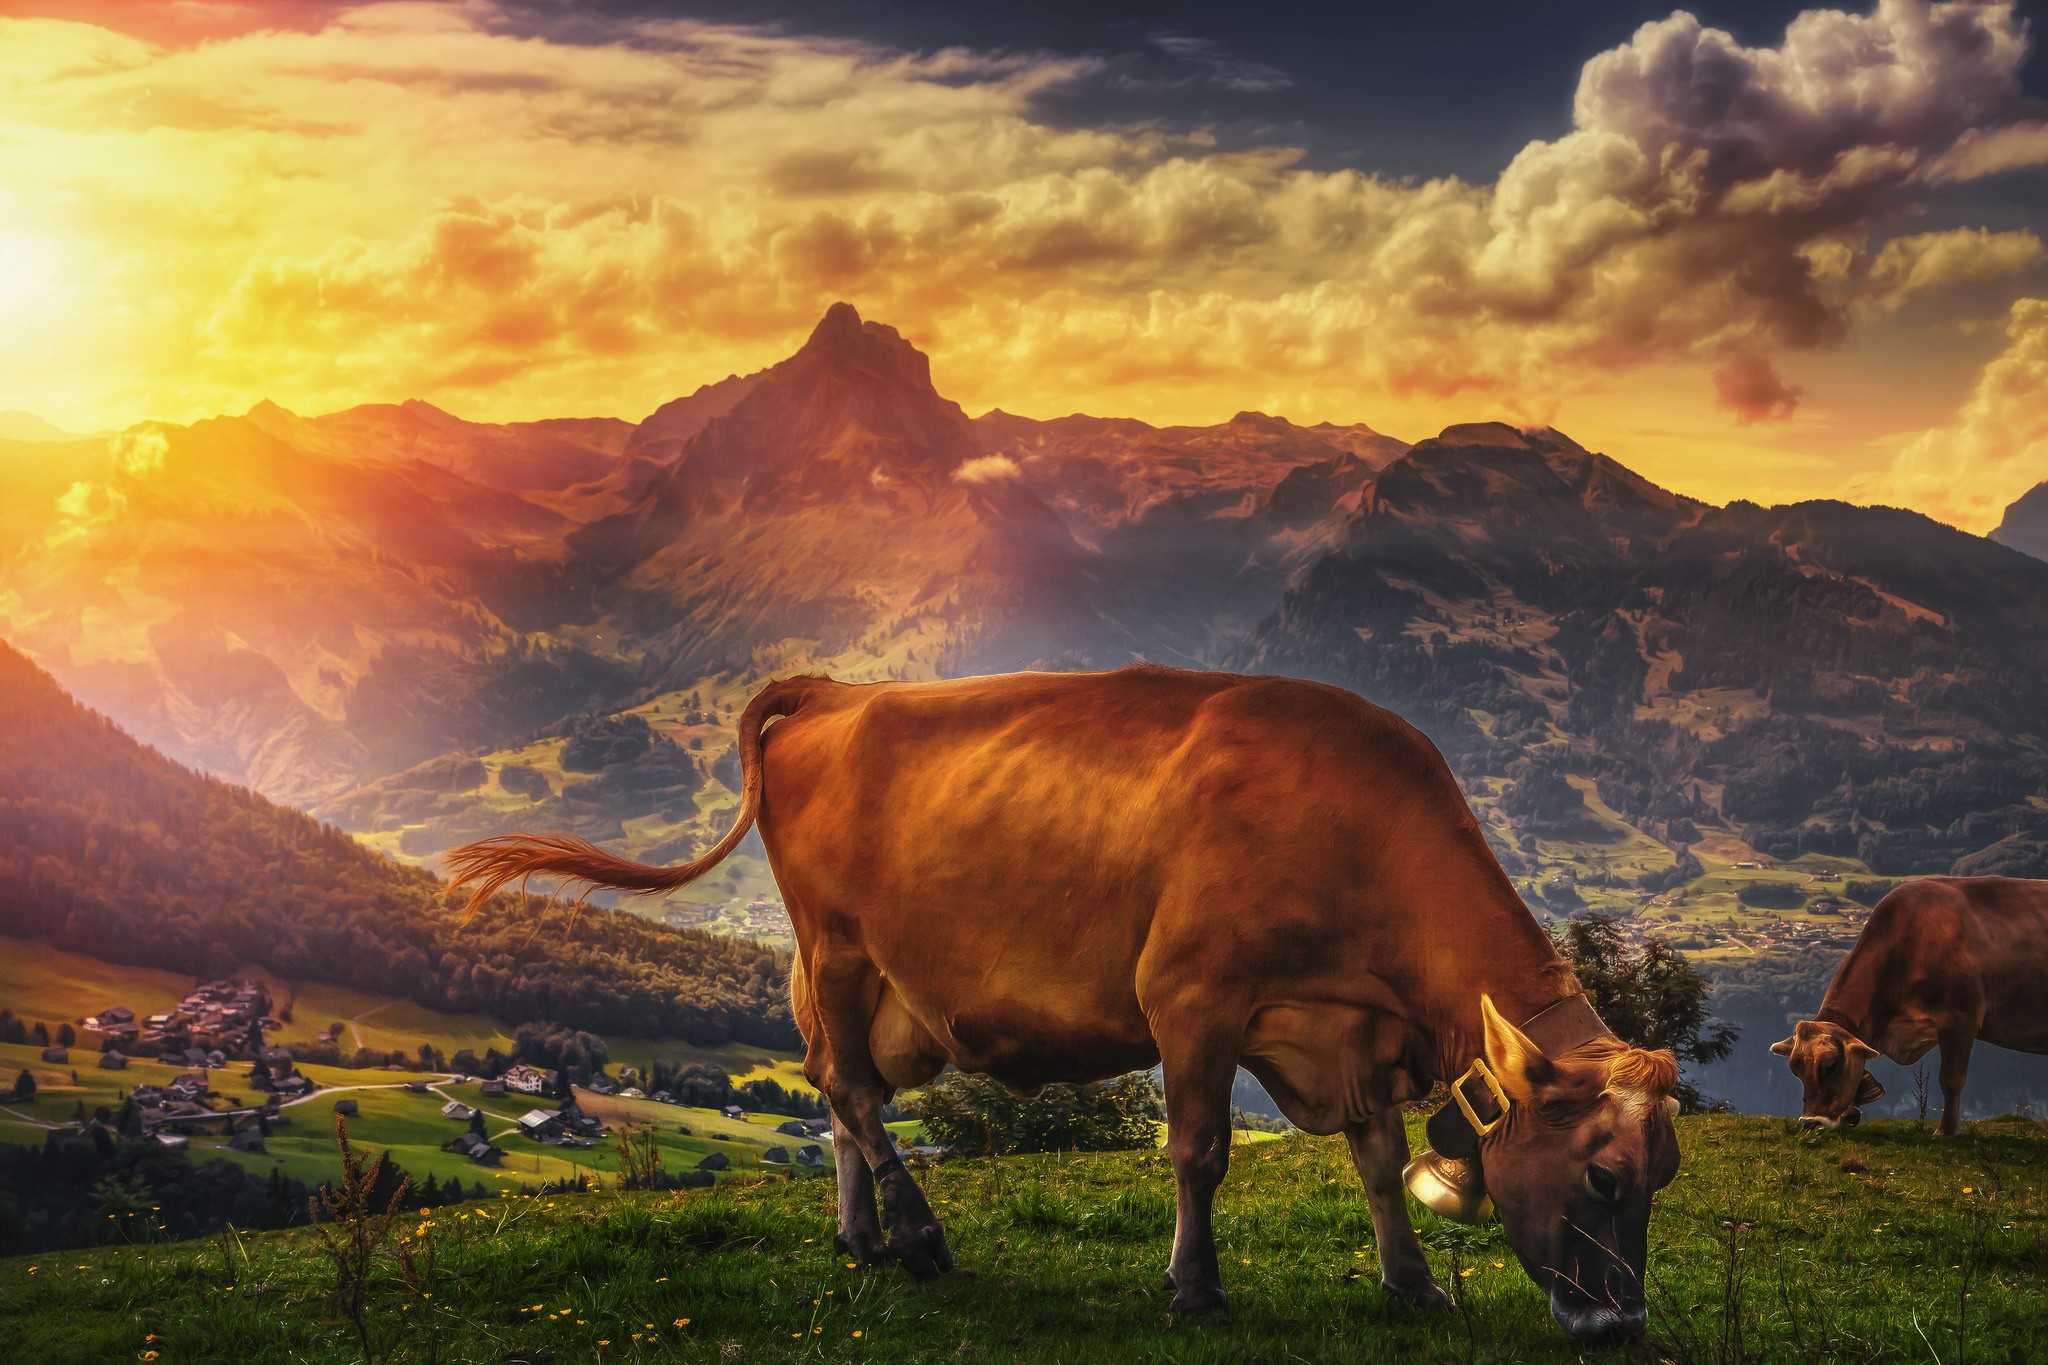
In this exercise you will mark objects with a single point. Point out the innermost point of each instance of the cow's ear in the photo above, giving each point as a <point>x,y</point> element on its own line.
<point>1524,1072</point>
<point>1783,1047</point>
<point>1861,1050</point>
<point>1871,1091</point>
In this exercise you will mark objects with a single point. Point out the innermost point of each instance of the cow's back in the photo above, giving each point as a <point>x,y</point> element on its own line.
<point>1015,853</point>
<point>1972,950</point>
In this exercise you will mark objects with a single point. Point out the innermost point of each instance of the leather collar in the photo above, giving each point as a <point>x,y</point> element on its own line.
<point>1556,1029</point>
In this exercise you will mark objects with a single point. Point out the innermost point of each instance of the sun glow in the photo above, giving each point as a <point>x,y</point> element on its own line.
<point>31,273</point>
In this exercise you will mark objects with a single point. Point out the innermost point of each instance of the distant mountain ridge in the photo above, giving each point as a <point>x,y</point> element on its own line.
<point>414,623</point>
<point>2025,525</point>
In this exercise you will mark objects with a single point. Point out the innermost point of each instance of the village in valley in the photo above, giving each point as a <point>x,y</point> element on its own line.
<point>205,1076</point>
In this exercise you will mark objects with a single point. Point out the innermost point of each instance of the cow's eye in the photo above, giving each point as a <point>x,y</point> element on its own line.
<point>1604,1184</point>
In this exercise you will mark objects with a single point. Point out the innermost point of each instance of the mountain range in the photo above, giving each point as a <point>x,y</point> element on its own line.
<point>425,628</point>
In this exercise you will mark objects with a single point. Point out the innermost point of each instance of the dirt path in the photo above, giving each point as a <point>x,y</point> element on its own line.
<point>357,1033</point>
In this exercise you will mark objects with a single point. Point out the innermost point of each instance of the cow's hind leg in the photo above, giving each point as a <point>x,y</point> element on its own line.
<point>1955,1069</point>
<point>857,1093</point>
<point>860,1230</point>
<point>1199,1067</point>
<point>1379,1148</point>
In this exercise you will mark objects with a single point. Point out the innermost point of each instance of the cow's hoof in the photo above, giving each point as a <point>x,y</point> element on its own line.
<point>1425,1294</point>
<point>1167,1282</point>
<point>865,1249</point>
<point>1194,1300</point>
<point>921,1251</point>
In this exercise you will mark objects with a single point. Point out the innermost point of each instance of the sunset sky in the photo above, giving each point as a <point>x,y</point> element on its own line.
<point>1750,250</point>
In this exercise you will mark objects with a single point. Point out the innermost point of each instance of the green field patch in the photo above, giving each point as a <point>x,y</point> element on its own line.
<point>1884,1244</point>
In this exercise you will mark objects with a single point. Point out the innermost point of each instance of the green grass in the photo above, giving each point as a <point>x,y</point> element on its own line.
<point>38,981</point>
<point>1856,1247</point>
<point>411,1129</point>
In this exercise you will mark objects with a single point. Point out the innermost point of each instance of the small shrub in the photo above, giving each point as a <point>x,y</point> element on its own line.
<point>976,1116</point>
<point>1771,895</point>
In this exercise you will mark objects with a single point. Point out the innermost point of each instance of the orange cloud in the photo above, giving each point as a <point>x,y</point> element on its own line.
<point>413,200</point>
<point>1997,448</point>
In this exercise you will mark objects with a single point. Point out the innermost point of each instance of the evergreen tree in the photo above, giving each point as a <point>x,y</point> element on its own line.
<point>65,1036</point>
<point>1651,998</point>
<point>476,1123</point>
<point>25,1083</point>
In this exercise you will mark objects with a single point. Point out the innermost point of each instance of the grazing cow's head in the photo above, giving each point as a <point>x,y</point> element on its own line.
<point>1571,1166</point>
<point>1832,1065</point>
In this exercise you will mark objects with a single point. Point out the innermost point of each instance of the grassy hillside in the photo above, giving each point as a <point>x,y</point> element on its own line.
<point>1879,1245</point>
<point>42,982</point>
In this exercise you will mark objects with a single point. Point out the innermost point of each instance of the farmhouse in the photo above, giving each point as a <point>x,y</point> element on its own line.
<point>117,1022</point>
<point>811,1155</point>
<point>249,1139</point>
<point>475,1148</point>
<point>777,1156</point>
<point>457,1110</point>
<point>173,1142</point>
<point>531,1081</point>
<point>56,1054</point>
<point>112,1060</point>
<point>492,1089</point>
<point>542,1125</point>
<point>717,1161</point>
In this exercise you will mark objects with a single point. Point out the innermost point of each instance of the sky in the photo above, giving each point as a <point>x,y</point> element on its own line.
<point>1749,249</point>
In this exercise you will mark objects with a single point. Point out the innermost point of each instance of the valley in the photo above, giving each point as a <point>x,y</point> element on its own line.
<point>1712,722</point>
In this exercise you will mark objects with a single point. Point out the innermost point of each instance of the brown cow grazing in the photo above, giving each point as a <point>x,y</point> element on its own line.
<point>1062,877</point>
<point>1945,960</point>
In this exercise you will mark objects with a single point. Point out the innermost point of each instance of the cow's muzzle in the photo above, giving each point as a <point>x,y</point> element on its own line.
<point>1599,1324</point>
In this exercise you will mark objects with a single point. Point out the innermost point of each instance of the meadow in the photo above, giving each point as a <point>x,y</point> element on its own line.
<point>40,982</point>
<point>1774,1245</point>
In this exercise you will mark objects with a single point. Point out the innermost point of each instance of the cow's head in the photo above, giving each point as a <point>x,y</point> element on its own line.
<point>1832,1065</point>
<point>1584,1142</point>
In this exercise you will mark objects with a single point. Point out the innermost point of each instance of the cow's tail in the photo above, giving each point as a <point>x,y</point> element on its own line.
<point>497,862</point>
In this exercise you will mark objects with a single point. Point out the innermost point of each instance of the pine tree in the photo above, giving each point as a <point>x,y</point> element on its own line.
<point>25,1083</point>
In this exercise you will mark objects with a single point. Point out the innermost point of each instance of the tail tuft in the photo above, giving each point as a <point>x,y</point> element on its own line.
<point>502,859</point>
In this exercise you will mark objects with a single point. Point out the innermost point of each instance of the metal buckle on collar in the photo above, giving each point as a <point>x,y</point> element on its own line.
<point>1484,1072</point>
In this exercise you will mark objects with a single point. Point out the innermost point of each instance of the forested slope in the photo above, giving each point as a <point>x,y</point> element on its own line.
<point>109,848</point>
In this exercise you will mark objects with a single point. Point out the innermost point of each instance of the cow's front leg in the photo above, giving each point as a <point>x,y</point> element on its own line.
<point>860,1231</point>
<point>1198,1077</point>
<point>857,1094</point>
<point>1955,1069</point>
<point>1379,1148</point>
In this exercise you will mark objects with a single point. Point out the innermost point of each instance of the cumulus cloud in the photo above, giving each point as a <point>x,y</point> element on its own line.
<point>140,451</point>
<point>414,200</point>
<point>1997,448</point>
<point>987,469</point>
<point>1928,261</point>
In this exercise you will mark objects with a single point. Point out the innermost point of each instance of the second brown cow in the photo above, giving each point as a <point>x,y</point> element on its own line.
<point>1068,876</point>
<point>1945,961</point>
